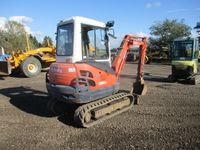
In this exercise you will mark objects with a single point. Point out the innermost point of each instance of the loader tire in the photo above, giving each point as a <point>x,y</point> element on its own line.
<point>31,67</point>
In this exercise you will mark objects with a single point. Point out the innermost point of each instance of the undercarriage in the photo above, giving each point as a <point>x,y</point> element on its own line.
<point>92,113</point>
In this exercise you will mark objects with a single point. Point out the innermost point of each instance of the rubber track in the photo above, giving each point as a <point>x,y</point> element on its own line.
<point>80,113</point>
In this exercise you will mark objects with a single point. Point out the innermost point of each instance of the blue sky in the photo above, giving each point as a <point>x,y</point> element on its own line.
<point>131,17</point>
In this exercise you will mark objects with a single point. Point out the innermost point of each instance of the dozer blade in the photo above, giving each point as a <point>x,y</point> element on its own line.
<point>5,67</point>
<point>139,88</point>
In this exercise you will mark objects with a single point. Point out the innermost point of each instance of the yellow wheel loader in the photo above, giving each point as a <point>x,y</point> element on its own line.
<point>28,63</point>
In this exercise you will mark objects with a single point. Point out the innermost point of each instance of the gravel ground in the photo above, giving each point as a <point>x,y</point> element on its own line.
<point>168,117</point>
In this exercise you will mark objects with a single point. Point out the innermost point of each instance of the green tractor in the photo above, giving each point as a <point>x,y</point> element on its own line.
<point>184,57</point>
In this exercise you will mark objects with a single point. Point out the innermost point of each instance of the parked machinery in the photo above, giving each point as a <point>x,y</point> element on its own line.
<point>88,78</point>
<point>184,56</point>
<point>29,62</point>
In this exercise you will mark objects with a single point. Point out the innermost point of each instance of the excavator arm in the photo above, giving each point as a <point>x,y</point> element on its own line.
<point>139,88</point>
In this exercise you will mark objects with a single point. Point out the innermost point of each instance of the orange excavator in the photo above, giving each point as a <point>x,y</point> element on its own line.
<point>88,78</point>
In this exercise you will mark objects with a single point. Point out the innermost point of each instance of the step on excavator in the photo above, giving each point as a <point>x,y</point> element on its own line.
<point>84,75</point>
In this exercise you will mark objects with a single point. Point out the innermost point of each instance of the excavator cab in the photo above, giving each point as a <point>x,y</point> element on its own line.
<point>83,39</point>
<point>83,61</point>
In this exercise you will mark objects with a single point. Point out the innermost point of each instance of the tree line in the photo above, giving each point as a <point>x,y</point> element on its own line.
<point>164,32</point>
<point>14,38</point>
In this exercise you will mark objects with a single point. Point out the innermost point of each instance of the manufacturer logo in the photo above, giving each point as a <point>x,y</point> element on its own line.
<point>102,82</point>
<point>72,69</point>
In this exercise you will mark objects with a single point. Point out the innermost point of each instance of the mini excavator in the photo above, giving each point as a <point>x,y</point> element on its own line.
<point>84,75</point>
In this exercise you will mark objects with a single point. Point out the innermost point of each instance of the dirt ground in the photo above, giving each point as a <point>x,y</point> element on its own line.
<point>168,117</point>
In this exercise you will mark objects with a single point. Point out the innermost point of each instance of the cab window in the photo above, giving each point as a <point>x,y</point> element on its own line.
<point>94,43</point>
<point>65,40</point>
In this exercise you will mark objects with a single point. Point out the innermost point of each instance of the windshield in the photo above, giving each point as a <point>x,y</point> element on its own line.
<point>182,50</point>
<point>94,43</point>
<point>65,40</point>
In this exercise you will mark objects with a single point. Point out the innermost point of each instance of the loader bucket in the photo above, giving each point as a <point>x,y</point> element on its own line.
<point>5,67</point>
<point>139,88</point>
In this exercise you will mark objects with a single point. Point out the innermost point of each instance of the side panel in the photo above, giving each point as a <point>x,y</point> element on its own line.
<point>185,64</point>
<point>80,82</point>
<point>82,74</point>
<point>184,69</point>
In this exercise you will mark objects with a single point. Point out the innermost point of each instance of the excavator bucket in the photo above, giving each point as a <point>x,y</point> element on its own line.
<point>5,67</point>
<point>139,88</point>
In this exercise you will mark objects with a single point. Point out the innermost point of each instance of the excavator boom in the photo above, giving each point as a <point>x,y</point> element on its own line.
<point>139,88</point>
<point>92,113</point>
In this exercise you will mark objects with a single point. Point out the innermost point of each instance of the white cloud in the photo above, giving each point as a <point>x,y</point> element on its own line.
<point>153,5</point>
<point>194,34</point>
<point>3,21</point>
<point>24,20</point>
<point>148,5</point>
<point>141,34</point>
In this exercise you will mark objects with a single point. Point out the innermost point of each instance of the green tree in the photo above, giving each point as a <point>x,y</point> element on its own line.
<point>4,40</point>
<point>34,42</point>
<point>13,36</point>
<point>47,41</point>
<point>163,33</point>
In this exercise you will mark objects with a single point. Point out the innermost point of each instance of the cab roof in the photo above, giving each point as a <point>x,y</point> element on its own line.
<point>82,20</point>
